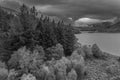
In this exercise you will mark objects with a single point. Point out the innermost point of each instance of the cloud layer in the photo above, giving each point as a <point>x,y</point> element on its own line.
<point>72,8</point>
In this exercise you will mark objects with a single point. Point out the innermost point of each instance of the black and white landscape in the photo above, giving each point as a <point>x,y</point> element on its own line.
<point>59,39</point>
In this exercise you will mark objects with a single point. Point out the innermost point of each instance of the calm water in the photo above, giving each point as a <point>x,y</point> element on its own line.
<point>108,42</point>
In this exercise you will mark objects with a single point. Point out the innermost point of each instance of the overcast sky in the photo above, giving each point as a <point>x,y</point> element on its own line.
<point>71,8</point>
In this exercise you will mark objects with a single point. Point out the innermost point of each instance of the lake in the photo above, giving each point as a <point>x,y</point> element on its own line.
<point>108,42</point>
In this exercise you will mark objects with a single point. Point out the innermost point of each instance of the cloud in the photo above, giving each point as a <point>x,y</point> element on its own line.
<point>49,9</point>
<point>75,8</point>
<point>85,21</point>
<point>10,4</point>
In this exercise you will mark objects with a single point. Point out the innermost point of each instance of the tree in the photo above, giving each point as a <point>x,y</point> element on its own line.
<point>33,11</point>
<point>4,26</point>
<point>46,35</point>
<point>27,17</point>
<point>66,37</point>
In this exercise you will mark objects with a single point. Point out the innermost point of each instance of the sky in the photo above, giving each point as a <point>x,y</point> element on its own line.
<point>71,8</point>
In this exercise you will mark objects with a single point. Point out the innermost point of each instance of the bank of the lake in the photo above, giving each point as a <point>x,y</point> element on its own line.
<point>108,42</point>
<point>99,65</point>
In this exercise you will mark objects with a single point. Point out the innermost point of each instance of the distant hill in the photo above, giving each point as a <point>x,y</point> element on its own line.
<point>85,22</point>
<point>112,25</point>
<point>108,25</point>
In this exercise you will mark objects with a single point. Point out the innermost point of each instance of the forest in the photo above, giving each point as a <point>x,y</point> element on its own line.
<point>28,41</point>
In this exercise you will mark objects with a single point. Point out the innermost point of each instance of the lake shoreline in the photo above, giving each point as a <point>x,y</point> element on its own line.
<point>95,32</point>
<point>99,65</point>
<point>108,42</point>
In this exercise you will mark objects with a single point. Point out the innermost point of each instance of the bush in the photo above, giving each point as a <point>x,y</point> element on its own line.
<point>26,59</point>
<point>12,75</point>
<point>88,51</point>
<point>79,65</point>
<point>44,73</point>
<point>77,44</point>
<point>56,52</point>
<point>40,74</point>
<point>28,77</point>
<point>80,52</point>
<point>96,51</point>
<point>60,69</point>
<point>19,59</point>
<point>72,75</point>
<point>50,73</point>
<point>39,51</point>
<point>2,65</point>
<point>68,64</point>
<point>14,61</point>
<point>112,69</point>
<point>3,74</point>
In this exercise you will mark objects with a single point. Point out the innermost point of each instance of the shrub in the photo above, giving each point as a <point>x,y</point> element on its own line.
<point>40,51</point>
<point>79,65</point>
<point>112,69</point>
<point>88,51</point>
<point>2,65</point>
<point>68,64</point>
<point>12,75</point>
<point>72,75</point>
<point>80,52</point>
<point>26,59</point>
<point>40,74</point>
<point>50,73</point>
<point>60,70</point>
<point>20,58</point>
<point>3,74</point>
<point>96,51</point>
<point>77,44</point>
<point>28,77</point>
<point>36,58</point>
<point>118,59</point>
<point>55,52</point>
<point>14,61</point>
<point>44,73</point>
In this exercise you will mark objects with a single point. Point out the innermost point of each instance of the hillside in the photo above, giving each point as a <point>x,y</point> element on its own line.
<point>110,25</point>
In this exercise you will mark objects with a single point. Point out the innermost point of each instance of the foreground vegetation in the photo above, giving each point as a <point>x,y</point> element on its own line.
<point>33,48</point>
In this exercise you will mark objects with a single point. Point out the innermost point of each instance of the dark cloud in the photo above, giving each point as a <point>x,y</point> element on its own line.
<point>75,8</point>
<point>43,2</point>
<point>10,4</point>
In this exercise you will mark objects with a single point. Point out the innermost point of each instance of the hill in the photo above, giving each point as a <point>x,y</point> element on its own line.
<point>95,25</point>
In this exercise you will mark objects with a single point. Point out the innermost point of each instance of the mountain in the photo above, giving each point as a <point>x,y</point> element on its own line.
<point>85,22</point>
